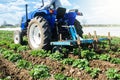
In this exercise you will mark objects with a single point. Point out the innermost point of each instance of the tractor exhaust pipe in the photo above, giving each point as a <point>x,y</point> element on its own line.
<point>26,10</point>
<point>42,3</point>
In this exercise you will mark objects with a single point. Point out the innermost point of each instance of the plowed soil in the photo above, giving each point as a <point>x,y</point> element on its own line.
<point>9,69</point>
<point>103,66</point>
<point>57,67</point>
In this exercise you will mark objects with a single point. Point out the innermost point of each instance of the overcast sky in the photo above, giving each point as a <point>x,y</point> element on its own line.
<point>94,11</point>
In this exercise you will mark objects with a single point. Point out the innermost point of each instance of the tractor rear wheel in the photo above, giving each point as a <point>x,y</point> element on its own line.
<point>78,28</point>
<point>38,33</point>
<point>18,37</point>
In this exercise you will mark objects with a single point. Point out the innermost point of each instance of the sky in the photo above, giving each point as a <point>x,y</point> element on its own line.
<point>94,11</point>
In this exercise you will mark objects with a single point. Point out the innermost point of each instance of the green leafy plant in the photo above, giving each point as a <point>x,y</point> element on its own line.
<point>60,76</point>
<point>14,57</point>
<point>118,49</point>
<point>113,74</point>
<point>24,64</point>
<point>7,53</point>
<point>88,54</point>
<point>41,53</point>
<point>105,57</point>
<point>56,56</point>
<point>93,72</point>
<point>2,50</point>
<point>40,72</point>
<point>70,78</point>
<point>68,61</point>
<point>10,55</point>
<point>2,43</point>
<point>22,48</point>
<point>115,60</point>
<point>64,50</point>
<point>76,51</point>
<point>14,46</point>
<point>80,63</point>
<point>34,52</point>
<point>6,78</point>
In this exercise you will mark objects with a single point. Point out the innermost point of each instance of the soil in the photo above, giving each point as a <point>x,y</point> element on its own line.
<point>7,68</point>
<point>115,55</point>
<point>103,66</point>
<point>57,67</point>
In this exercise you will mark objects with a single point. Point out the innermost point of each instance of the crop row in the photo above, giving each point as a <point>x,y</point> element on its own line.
<point>36,71</point>
<point>79,63</point>
<point>82,64</point>
<point>17,59</point>
<point>85,55</point>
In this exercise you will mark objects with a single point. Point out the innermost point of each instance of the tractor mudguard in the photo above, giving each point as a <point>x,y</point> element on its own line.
<point>44,13</point>
<point>70,17</point>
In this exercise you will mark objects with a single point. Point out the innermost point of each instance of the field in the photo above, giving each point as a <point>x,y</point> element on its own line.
<point>114,30</point>
<point>19,62</point>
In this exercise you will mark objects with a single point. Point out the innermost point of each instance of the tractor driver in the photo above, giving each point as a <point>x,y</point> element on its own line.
<point>54,3</point>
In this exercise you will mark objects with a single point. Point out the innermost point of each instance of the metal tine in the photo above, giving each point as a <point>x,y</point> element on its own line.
<point>89,35</point>
<point>109,40</point>
<point>109,36</point>
<point>95,36</point>
<point>78,40</point>
<point>60,37</point>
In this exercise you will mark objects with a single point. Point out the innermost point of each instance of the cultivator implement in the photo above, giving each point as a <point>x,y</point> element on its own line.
<point>92,41</point>
<point>95,40</point>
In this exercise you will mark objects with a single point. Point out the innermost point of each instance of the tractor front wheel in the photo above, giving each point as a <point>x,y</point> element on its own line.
<point>38,33</point>
<point>18,37</point>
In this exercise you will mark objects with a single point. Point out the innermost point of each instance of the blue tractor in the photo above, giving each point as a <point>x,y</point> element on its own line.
<point>48,27</point>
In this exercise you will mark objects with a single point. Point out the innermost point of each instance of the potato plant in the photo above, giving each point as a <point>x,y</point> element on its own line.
<point>40,72</point>
<point>14,46</point>
<point>80,63</point>
<point>22,48</point>
<point>24,64</point>
<point>6,78</point>
<point>61,76</point>
<point>105,57</point>
<point>40,53</point>
<point>92,71</point>
<point>14,57</point>
<point>56,56</point>
<point>7,53</point>
<point>113,74</point>
<point>11,51</point>
<point>68,61</point>
<point>115,60</point>
<point>88,54</point>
